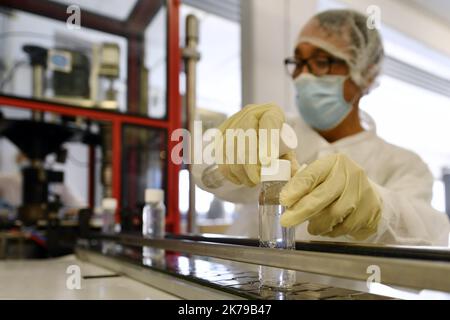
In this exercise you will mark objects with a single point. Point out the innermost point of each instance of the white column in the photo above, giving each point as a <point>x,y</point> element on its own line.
<point>269,30</point>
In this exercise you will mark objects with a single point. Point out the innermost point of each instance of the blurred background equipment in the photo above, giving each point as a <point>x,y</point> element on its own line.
<point>102,97</point>
<point>71,73</point>
<point>109,69</point>
<point>80,77</point>
<point>36,140</point>
<point>40,212</point>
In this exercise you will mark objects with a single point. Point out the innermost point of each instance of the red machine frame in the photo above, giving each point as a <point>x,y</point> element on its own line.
<point>133,30</point>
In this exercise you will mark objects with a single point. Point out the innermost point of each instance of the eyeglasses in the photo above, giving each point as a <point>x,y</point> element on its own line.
<point>318,66</point>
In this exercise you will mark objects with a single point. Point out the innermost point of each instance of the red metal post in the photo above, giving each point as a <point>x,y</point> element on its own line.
<point>174,111</point>
<point>91,113</point>
<point>117,165</point>
<point>91,176</point>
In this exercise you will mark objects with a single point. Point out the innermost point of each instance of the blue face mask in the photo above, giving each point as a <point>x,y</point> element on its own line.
<point>321,100</point>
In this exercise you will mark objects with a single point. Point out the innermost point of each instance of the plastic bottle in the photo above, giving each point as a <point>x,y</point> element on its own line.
<point>213,179</point>
<point>153,220</point>
<point>271,233</point>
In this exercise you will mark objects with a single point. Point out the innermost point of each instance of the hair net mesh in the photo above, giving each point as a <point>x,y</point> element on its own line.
<point>346,35</point>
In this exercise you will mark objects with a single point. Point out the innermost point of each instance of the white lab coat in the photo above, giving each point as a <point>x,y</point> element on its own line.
<point>403,180</point>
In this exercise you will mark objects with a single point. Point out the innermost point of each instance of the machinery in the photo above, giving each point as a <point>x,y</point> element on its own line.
<point>36,140</point>
<point>40,136</point>
<point>63,75</point>
<point>79,77</point>
<point>40,208</point>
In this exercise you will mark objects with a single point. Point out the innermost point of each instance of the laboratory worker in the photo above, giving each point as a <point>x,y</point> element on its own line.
<point>356,187</point>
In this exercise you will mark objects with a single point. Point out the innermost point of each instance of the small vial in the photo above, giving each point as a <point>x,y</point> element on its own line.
<point>109,207</point>
<point>271,233</point>
<point>213,179</point>
<point>153,221</point>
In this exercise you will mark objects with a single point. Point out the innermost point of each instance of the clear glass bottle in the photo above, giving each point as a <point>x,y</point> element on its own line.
<point>271,233</point>
<point>153,221</point>
<point>109,207</point>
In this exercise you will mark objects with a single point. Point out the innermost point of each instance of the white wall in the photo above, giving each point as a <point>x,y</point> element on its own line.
<point>269,29</point>
<point>411,20</point>
<point>268,32</point>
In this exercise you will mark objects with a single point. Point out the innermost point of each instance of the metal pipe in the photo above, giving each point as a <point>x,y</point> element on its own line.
<point>191,57</point>
<point>38,89</point>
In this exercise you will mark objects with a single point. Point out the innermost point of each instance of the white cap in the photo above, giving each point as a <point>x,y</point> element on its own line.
<point>288,139</point>
<point>109,204</point>
<point>154,195</point>
<point>279,170</point>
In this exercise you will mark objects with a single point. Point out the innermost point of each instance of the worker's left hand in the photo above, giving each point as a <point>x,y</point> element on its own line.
<point>336,196</point>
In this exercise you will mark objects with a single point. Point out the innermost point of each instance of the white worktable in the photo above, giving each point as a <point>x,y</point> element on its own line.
<point>46,279</point>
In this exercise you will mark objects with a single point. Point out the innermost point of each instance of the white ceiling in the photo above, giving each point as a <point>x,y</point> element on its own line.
<point>438,8</point>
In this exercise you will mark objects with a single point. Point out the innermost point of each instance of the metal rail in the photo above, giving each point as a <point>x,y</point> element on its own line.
<point>413,273</point>
<point>174,285</point>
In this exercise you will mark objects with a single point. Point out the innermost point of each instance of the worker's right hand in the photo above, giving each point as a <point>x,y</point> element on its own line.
<point>267,116</point>
<point>337,198</point>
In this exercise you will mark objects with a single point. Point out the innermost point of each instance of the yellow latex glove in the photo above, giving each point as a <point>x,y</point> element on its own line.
<point>336,196</point>
<point>266,116</point>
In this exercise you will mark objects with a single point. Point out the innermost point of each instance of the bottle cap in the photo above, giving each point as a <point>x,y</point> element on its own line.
<point>109,204</point>
<point>279,170</point>
<point>154,195</point>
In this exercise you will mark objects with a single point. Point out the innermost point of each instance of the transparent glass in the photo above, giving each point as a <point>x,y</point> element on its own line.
<point>317,66</point>
<point>143,164</point>
<point>220,63</point>
<point>273,235</point>
<point>154,71</point>
<point>153,226</point>
<point>82,85</point>
<point>108,224</point>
